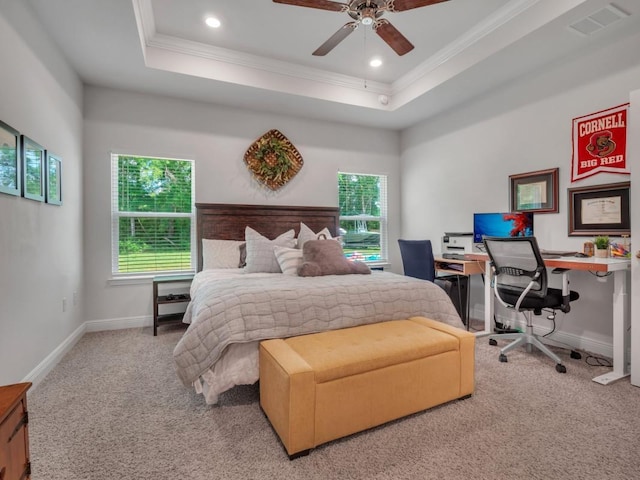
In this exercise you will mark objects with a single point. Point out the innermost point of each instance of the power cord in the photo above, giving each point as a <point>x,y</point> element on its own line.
<point>552,318</point>
<point>594,361</point>
<point>600,275</point>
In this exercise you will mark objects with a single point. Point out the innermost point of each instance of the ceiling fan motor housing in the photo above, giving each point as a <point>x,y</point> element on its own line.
<point>365,11</point>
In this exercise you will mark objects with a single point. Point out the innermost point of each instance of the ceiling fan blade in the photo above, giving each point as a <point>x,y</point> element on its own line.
<point>402,5</point>
<point>393,37</point>
<point>320,4</point>
<point>335,39</point>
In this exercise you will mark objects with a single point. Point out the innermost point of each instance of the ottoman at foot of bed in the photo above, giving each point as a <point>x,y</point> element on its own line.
<point>320,387</point>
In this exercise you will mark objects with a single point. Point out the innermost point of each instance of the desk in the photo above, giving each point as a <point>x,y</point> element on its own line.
<point>466,268</point>
<point>621,314</point>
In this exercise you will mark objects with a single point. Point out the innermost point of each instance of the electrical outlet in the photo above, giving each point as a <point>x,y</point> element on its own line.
<point>64,305</point>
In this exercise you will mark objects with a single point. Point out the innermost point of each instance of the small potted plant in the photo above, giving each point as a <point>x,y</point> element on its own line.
<point>602,246</point>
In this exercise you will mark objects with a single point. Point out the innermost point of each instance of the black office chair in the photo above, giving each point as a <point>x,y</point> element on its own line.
<point>520,283</point>
<point>418,262</point>
<point>417,259</point>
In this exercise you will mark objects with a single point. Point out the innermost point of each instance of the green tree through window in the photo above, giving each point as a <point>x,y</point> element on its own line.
<point>152,211</point>
<point>363,215</point>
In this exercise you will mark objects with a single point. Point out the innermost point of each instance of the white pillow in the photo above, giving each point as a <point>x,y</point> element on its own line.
<point>260,254</point>
<point>307,234</point>
<point>220,253</point>
<point>289,259</point>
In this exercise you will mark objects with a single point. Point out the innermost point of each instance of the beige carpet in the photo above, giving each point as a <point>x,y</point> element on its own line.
<point>114,409</point>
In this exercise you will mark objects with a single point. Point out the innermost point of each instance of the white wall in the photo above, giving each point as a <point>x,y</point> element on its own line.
<point>216,138</point>
<point>633,152</point>
<point>459,163</point>
<point>40,245</point>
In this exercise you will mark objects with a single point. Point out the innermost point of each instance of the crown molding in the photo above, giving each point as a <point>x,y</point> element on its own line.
<point>232,57</point>
<point>150,38</point>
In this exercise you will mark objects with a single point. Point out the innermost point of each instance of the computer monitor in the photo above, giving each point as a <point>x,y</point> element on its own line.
<point>505,224</point>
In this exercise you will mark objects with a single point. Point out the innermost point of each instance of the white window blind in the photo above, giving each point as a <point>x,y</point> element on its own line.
<point>152,220</point>
<point>363,215</point>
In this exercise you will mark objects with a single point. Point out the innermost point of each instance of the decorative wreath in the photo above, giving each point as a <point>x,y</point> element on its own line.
<point>273,160</point>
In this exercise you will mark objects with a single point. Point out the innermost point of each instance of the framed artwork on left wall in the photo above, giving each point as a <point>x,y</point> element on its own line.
<point>10,177</point>
<point>32,169</point>
<point>53,179</point>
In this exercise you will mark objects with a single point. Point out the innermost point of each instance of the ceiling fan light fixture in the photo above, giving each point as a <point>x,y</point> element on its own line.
<point>368,16</point>
<point>375,62</point>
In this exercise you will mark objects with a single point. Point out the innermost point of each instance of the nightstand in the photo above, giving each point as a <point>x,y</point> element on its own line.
<point>14,432</point>
<point>166,283</point>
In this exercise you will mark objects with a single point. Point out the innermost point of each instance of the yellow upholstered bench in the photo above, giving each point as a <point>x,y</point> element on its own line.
<point>320,387</point>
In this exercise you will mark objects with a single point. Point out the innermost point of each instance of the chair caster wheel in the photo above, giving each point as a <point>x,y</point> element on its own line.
<point>561,368</point>
<point>503,358</point>
<point>493,341</point>
<point>575,355</point>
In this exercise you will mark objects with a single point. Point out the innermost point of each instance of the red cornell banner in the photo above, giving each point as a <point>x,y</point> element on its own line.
<point>600,143</point>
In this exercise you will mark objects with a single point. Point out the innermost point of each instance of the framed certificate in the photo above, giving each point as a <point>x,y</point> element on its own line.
<point>599,210</point>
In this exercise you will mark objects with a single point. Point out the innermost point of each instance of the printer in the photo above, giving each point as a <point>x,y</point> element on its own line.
<point>456,244</point>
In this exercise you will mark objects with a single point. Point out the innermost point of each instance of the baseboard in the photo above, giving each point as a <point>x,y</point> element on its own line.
<point>36,375</point>
<point>119,323</point>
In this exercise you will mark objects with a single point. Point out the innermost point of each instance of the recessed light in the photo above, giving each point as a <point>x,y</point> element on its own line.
<point>213,22</point>
<point>376,62</point>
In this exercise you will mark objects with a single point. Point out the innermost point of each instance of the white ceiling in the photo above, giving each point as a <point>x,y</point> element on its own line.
<point>260,58</point>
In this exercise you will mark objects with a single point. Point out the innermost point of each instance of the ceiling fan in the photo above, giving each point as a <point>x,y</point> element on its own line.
<point>365,12</point>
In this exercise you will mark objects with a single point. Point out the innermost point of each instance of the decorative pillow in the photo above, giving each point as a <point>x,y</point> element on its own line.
<point>289,259</point>
<point>326,257</point>
<point>220,253</point>
<point>260,254</point>
<point>243,255</point>
<point>307,234</point>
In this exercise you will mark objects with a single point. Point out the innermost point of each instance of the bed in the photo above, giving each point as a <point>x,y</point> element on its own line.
<point>231,310</point>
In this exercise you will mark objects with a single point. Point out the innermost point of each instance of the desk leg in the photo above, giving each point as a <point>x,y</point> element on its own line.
<point>488,301</point>
<point>620,330</point>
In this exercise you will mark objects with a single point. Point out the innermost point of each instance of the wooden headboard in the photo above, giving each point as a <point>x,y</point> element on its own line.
<point>224,221</point>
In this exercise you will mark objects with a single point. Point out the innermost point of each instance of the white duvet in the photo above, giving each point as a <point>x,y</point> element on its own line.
<point>230,312</point>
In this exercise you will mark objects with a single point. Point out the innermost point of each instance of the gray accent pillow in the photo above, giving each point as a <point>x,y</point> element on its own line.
<point>261,257</point>
<point>243,255</point>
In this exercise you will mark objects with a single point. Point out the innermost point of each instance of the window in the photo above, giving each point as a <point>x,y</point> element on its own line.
<point>363,216</point>
<point>152,220</point>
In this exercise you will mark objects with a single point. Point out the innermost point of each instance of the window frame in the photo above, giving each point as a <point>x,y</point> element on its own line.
<point>382,218</point>
<point>116,214</point>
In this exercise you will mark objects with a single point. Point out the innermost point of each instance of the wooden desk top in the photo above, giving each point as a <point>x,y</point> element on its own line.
<point>591,264</point>
<point>459,267</point>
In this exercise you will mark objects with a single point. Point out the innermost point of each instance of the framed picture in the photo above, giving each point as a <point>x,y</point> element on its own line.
<point>599,210</point>
<point>534,191</point>
<point>32,169</point>
<point>10,176</point>
<point>53,179</point>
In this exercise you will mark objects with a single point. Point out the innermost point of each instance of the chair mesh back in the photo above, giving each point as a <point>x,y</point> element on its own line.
<point>516,261</point>
<point>417,259</point>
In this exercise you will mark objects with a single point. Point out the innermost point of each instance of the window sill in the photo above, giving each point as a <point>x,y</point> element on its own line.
<point>137,280</point>
<point>378,265</point>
